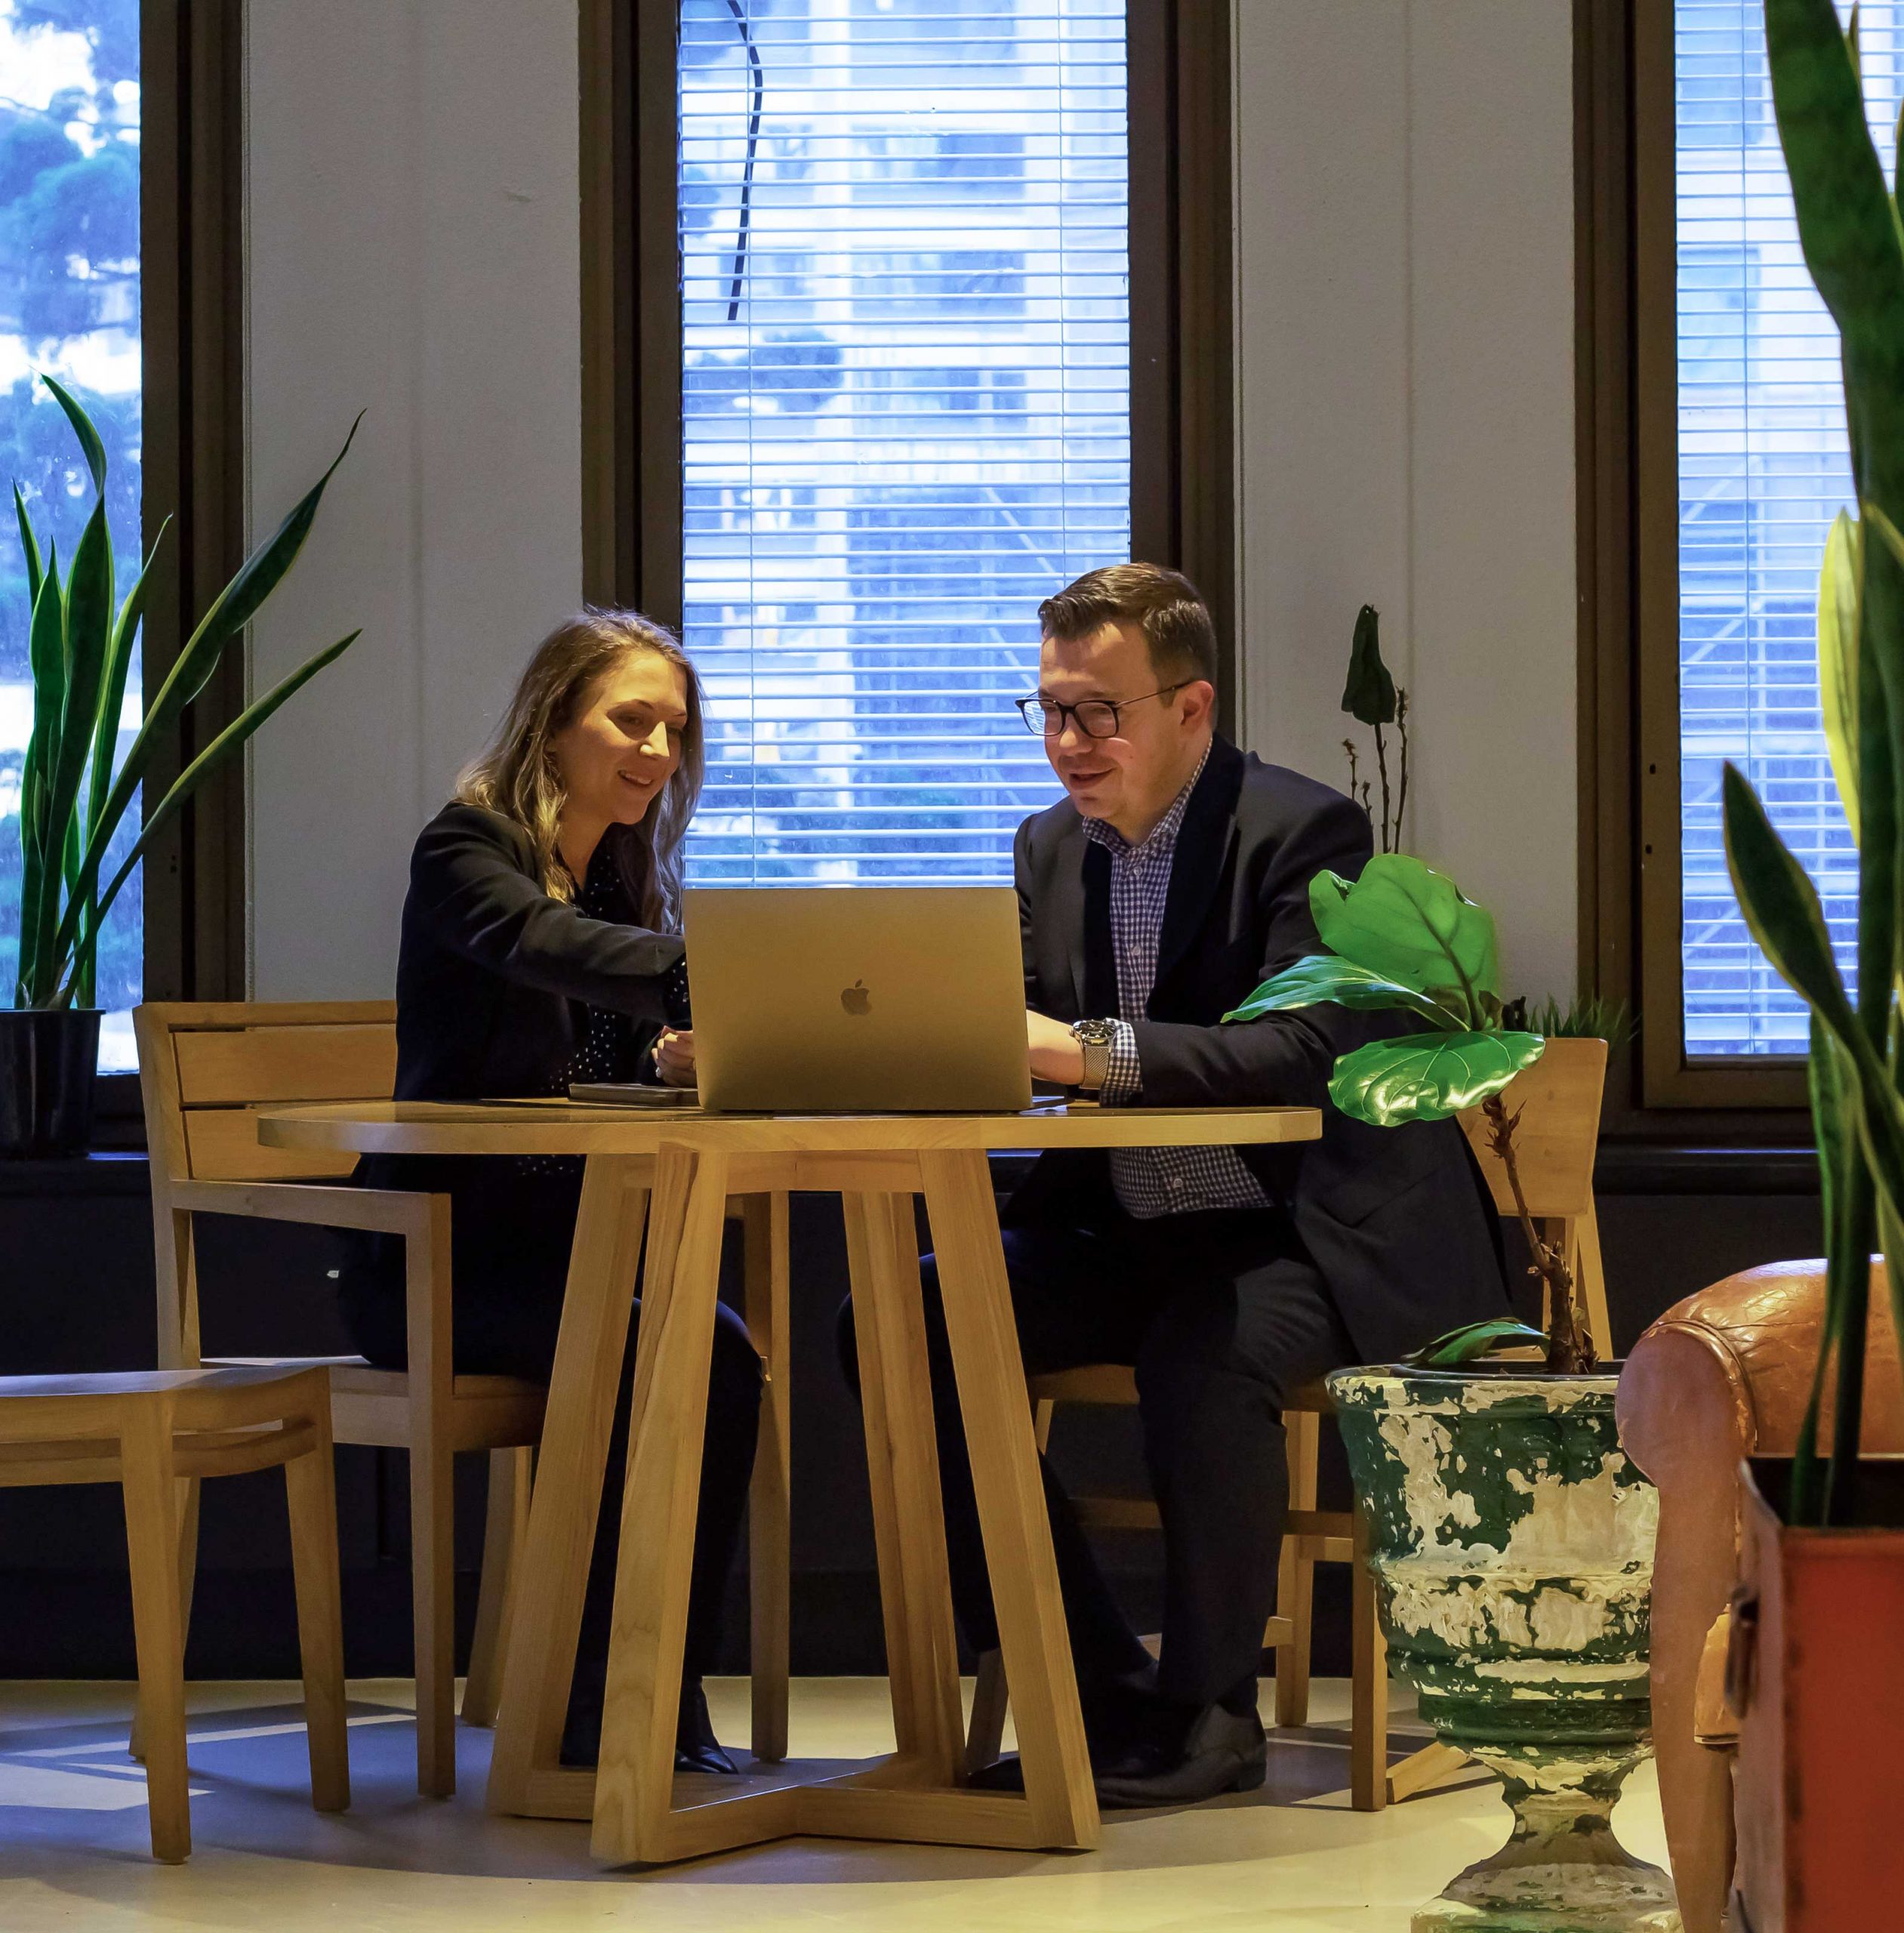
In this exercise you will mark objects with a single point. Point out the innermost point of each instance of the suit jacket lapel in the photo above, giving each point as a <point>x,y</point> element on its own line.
<point>1204,842</point>
<point>1064,908</point>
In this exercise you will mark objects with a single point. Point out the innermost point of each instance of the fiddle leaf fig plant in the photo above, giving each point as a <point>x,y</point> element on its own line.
<point>75,792</point>
<point>1405,938</point>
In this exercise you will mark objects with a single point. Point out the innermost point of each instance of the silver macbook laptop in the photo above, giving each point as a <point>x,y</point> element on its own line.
<point>873,999</point>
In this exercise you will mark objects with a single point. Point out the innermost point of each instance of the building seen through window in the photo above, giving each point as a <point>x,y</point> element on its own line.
<point>70,307</point>
<point>1763,467</point>
<point>906,404</point>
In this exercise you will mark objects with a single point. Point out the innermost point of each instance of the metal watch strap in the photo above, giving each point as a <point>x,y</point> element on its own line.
<point>1094,1036</point>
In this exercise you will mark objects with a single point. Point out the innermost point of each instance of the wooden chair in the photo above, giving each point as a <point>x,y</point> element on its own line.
<point>1555,1141</point>
<point>205,1069</point>
<point>149,1431</point>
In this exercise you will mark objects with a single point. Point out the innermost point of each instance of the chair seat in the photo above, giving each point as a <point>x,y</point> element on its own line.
<point>351,1376</point>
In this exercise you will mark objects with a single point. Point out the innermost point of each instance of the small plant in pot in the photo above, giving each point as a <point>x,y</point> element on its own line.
<point>75,792</point>
<point>1510,1538</point>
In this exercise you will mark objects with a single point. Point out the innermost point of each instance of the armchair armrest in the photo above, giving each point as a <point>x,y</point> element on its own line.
<point>322,1204</point>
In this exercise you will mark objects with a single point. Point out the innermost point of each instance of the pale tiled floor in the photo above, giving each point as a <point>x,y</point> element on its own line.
<point>73,1851</point>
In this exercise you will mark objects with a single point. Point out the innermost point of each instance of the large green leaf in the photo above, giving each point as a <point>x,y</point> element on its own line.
<point>1430,1078</point>
<point>1369,695</point>
<point>1403,921</point>
<point>1473,1340</point>
<point>1837,655</point>
<point>1325,977</point>
<point>112,696</point>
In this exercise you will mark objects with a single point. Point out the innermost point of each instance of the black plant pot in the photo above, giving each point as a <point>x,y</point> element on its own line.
<point>48,1064</point>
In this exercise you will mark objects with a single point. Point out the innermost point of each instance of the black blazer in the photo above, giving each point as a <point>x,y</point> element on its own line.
<point>1398,1220</point>
<point>493,975</point>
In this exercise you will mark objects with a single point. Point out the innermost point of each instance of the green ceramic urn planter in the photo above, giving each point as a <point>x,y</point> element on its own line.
<point>1511,1543</point>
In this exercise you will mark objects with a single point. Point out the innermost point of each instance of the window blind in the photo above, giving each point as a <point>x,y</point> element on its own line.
<point>1763,467</point>
<point>905,402</point>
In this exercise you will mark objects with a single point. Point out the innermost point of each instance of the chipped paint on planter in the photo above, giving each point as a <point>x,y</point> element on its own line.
<point>1511,1543</point>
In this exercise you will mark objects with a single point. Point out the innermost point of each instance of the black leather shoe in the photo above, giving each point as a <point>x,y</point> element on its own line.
<point>1121,1715</point>
<point>696,1749</point>
<point>1221,1752</point>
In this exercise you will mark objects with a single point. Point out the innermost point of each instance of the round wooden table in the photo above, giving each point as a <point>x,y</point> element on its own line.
<point>688,1164</point>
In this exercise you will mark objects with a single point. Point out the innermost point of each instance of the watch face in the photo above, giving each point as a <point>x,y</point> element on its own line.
<point>1094,1033</point>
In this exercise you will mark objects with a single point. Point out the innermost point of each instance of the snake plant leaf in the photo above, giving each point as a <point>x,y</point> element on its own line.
<point>188,781</point>
<point>1428,1078</point>
<point>40,847</point>
<point>1473,1340</point>
<point>1847,227</point>
<point>112,697</point>
<point>91,447</point>
<point>234,607</point>
<point>30,549</point>
<point>87,633</point>
<point>1369,695</point>
<point>1404,922</point>
<point>1322,978</point>
<point>1781,906</point>
<point>1782,913</point>
<point>1837,655</point>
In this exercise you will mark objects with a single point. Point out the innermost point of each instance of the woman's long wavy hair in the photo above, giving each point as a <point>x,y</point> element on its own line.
<point>517,775</point>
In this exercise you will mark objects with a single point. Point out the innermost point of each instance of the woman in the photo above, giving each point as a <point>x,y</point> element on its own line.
<point>539,945</point>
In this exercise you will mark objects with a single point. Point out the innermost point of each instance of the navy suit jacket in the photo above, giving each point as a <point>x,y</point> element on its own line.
<point>1398,1220</point>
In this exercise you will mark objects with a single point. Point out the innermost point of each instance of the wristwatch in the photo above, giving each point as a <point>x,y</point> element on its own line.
<point>1095,1036</point>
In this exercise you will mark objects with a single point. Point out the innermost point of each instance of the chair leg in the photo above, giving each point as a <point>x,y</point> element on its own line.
<point>506,1523</point>
<point>311,1496</point>
<point>1295,1582</point>
<point>433,1559</point>
<point>188,1565</point>
<point>991,1696</point>
<point>158,1619</point>
<point>1368,1757</point>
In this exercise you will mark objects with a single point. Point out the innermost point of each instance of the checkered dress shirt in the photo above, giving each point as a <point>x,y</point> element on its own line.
<point>1153,1181</point>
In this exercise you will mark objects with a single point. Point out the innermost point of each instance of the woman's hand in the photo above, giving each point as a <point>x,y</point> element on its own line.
<point>674,1057</point>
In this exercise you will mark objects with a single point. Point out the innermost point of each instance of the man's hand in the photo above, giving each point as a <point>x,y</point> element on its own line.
<point>674,1057</point>
<point>1057,1053</point>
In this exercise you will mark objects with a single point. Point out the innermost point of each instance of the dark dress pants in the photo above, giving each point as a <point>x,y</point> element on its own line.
<point>511,1236</point>
<point>1220,1314</point>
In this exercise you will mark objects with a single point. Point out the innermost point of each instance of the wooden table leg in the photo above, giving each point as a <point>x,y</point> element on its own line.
<point>902,1457</point>
<point>764,1219</point>
<point>1012,1514</point>
<point>634,1787</point>
<point>545,1618</point>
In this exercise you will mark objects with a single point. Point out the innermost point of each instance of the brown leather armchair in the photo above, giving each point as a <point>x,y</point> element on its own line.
<point>1722,1375</point>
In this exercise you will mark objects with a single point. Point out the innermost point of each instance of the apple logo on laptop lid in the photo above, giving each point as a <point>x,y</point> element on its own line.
<point>856,999</point>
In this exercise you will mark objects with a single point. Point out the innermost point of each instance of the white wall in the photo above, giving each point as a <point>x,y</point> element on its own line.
<point>413,253</point>
<point>1405,294</point>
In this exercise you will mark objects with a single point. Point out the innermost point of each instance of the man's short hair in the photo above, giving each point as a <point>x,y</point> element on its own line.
<point>1164,604</point>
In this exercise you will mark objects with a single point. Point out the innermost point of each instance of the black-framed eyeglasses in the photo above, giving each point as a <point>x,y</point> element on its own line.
<point>1096,717</point>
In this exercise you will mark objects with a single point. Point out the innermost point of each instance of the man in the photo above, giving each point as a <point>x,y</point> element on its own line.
<point>1169,883</point>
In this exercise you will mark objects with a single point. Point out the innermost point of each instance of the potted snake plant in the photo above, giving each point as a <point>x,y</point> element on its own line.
<point>1510,1539</point>
<point>76,789</point>
<point>1816,1668</point>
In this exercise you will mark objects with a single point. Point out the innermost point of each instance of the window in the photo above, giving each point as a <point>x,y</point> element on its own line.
<point>70,305</point>
<point>906,412</point>
<point>1763,467</point>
